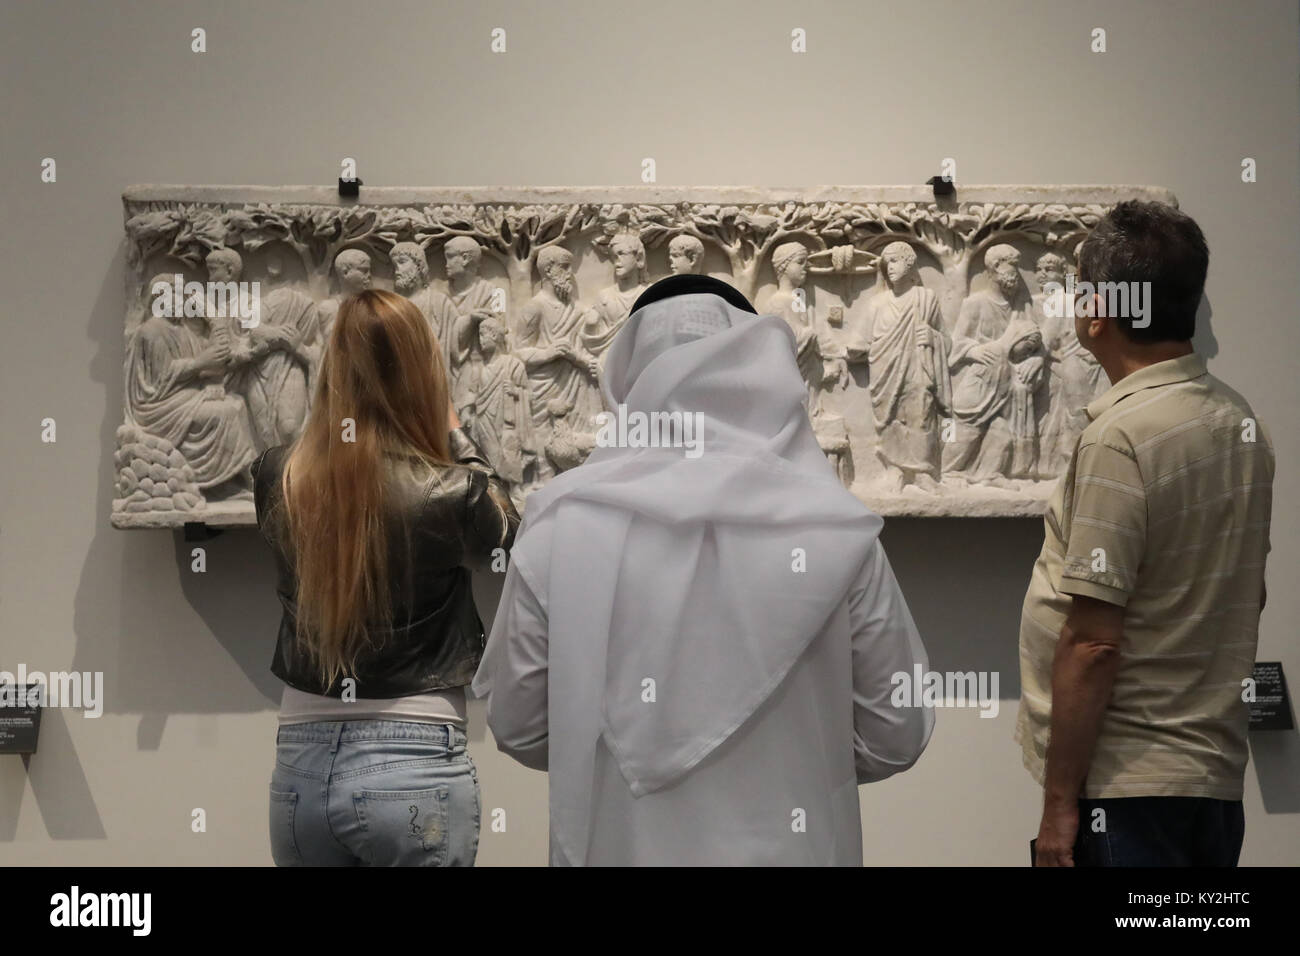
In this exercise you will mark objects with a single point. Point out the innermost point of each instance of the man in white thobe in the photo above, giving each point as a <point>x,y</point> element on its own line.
<point>698,640</point>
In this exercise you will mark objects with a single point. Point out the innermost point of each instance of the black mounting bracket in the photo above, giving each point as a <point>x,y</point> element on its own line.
<point>198,531</point>
<point>943,188</point>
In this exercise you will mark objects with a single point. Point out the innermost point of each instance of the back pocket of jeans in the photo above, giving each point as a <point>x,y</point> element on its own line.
<point>404,827</point>
<point>284,844</point>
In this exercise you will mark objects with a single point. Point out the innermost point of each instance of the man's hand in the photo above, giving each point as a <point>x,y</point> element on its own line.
<point>1056,834</point>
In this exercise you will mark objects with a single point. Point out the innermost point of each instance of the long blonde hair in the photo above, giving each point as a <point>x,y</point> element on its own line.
<point>382,388</point>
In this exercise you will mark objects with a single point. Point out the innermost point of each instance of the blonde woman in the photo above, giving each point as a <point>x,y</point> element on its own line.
<point>376,515</point>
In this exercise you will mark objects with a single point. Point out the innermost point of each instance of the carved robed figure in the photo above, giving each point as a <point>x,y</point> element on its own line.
<point>174,391</point>
<point>905,345</point>
<point>997,363</point>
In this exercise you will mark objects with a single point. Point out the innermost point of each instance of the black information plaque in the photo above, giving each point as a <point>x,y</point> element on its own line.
<point>1271,708</point>
<point>20,717</point>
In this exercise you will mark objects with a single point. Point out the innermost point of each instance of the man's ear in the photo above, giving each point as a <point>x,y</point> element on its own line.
<point>1097,324</point>
<point>1099,306</point>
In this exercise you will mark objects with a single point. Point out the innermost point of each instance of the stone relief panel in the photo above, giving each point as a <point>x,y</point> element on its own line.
<point>941,381</point>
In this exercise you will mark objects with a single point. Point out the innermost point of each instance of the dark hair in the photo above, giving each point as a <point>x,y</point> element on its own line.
<point>688,284</point>
<point>1150,242</point>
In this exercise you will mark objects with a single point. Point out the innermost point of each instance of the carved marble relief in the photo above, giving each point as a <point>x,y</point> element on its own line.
<point>941,381</point>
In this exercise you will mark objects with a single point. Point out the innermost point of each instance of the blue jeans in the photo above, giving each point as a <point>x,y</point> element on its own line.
<point>373,793</point>
<point>1161,831</point>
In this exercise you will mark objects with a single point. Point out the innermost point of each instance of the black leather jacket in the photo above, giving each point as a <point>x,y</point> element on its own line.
<point>442,522</point>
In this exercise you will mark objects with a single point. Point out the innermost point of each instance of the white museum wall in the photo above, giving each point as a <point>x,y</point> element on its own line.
<point>1184,92</point>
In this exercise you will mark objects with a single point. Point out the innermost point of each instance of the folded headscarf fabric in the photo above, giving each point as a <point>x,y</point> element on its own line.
<point>728,564</point>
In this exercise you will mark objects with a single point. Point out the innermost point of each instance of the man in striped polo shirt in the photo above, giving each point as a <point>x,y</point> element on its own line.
<point>1140,622</point>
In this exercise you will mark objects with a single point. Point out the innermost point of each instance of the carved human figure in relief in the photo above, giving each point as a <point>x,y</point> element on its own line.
<point>175,391</point>
<point>1075,378</point>
<point>902,339</point>
<point>272,363</point>
<point>503,424</point>
<point>566,446</point>
<point>353,271</point>
<point>997,367</point>
<point>614,304</point>
<point>818,365</point>
<point>411,279</point>
<point>475,299</point>
<point>685,256</point>
<point>550,345</point>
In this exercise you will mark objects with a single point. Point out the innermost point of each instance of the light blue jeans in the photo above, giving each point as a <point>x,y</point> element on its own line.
<point>373,793</point>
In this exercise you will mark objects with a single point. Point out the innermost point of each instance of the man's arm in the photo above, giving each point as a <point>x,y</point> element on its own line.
<point>1083,673</point>
<point>1107,542</point>
<point>887,739</point>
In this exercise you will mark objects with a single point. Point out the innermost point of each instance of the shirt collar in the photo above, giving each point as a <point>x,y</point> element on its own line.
<point>1181,369</point>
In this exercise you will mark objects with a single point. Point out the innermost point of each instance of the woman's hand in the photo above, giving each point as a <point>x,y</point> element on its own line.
<point>453,420</point>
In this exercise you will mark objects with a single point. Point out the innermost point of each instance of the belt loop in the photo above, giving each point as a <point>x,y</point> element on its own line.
<point>338,732</point>
<point>451,738</point>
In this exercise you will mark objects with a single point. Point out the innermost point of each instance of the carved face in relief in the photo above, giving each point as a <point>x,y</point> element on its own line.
<point>410,268</point>
<point>561,276</point>
<point>461,256</point>
<point>1049,268</point>
<point>491,336</point>
<point>353,268</point>
<point>629,257</point>
<point>556,268</point>
<point>898,259</point>
<point>684,254</point>
<point>176,309</point>
<point>1023,348</point>
<point>224,265</point>
<point>1003,265</point>
<point>791,262</point>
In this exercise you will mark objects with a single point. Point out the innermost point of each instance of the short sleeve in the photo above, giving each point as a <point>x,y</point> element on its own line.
<point>1108,525</point>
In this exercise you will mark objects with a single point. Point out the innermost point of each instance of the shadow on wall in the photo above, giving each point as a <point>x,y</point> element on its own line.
<point>1203,340</point>
<point>1276,755</point>
<point>60,790</point>
<point>965,581</point>
<point>142,616</point>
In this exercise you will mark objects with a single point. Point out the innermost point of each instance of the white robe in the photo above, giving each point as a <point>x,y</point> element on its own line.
<point>695,699</point>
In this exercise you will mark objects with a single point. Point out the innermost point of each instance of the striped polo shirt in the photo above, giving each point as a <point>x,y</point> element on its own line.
<point>1164,510</point>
